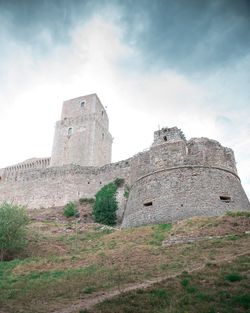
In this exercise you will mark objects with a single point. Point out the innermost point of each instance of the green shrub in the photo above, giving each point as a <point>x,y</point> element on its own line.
<point>233,277</point>
<point>86,200</point>
<point>104,210</point>
<point>13,222</point>
<point>70,209</point>
<point>185,282</point>
<point>242,300</point>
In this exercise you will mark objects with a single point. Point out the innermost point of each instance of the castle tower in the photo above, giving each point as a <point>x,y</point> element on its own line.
<point>82,136</point>
<point>176,179</point>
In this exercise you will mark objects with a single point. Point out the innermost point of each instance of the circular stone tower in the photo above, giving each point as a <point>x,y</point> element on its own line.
<point>178,179</point>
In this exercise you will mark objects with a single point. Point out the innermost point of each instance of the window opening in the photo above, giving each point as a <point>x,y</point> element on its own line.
<point>102,112</point>
<point>83,103</point>
<point>70,131</point>
<point>150,203</point>
<point>165,138</point>
<point>226,199</point>
<point>102,136</point>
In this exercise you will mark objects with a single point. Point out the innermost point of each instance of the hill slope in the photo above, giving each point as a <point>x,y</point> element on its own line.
<point>69,267</point>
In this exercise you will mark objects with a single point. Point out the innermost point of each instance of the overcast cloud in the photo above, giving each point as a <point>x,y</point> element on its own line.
<point>152,63</point>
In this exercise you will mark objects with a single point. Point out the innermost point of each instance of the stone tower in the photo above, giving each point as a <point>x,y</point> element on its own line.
<point>82,135</point>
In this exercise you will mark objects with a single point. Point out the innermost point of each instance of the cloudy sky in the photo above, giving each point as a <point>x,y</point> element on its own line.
<point>152,63</point>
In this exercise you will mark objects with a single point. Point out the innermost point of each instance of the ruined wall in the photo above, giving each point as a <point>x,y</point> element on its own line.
<point>55,186</point>
<point>178,179</point>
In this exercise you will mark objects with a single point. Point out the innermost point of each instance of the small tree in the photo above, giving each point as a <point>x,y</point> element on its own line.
<point>70,209</point>
<point>13,222</point>
<point>105,206</point>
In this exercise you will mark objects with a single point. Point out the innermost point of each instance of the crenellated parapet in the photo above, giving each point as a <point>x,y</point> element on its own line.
<point>17,170</point>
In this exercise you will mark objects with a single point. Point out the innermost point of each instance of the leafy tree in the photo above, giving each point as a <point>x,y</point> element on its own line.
<point>13,222</point>
<point>105,206</point>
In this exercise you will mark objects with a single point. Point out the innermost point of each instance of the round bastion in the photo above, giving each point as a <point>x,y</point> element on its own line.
<point>177,179</point>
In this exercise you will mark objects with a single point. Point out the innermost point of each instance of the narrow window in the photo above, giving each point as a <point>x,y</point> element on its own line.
<point>102,112</point>
<point>83,103</point>
<point>150,203</point>
<point>70,131</point>
<point>226,199</point>
<point>102,136</point>
<point>165,138</point>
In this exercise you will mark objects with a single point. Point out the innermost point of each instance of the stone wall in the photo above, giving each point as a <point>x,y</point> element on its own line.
<point>178,179</point>
<point>178,193</point>
<point>55,186</point>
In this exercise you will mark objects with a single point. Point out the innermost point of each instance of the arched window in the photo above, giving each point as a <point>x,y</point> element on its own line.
<point>83,103</point>
<point>70,131</point>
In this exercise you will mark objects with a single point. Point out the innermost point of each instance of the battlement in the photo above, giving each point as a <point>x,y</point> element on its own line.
<point>33,163</point>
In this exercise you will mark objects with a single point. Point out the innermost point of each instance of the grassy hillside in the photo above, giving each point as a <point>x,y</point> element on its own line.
<point>69,266</point>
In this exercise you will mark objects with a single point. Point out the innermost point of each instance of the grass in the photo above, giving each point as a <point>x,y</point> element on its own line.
<point>159,233</point>
<point>238,213</point>
<point>203,291</point>
<point>64,267</point>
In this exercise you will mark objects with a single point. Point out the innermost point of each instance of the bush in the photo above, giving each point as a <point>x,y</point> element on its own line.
<point>105,206</point>
<point>233,277</point>
<point>70,209</point>
<point>13,222</point>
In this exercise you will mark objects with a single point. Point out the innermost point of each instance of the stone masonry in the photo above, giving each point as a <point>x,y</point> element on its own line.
<point>173,180</point>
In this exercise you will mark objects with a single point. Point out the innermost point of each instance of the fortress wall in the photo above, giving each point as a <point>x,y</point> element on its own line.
<point>55,186</point>
<point>17,170</point>
<point>159,156</point>
<point>175,194</point>
<point>204,151</point>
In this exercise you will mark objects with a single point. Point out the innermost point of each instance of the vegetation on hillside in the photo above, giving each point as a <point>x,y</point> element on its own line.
<point>13,222</point>
<point>55,274</point>
<point>209,290</point>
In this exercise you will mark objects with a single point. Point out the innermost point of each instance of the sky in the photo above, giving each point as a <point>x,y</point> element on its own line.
<point>153,64</point>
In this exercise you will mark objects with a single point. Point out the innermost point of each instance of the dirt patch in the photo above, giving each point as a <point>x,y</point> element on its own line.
<point>55,214</point>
